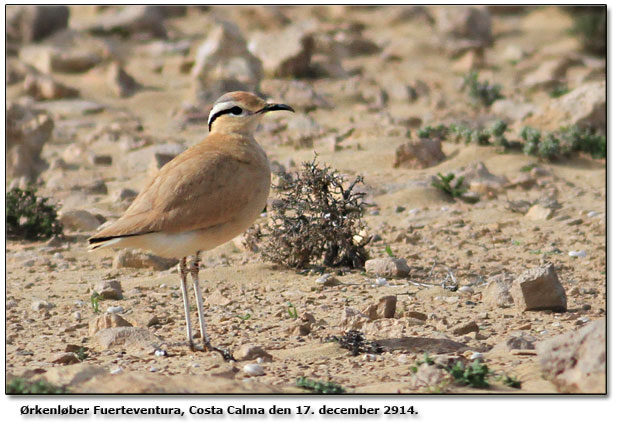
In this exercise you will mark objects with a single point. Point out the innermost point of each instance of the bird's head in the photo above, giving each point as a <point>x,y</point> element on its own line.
<point>239,112</point>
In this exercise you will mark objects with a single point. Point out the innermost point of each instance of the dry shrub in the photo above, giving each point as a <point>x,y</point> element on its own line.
<point>314,221</point>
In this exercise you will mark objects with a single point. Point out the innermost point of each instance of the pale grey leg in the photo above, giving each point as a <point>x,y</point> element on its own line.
<point>182,270</point>
<point>194,268</point>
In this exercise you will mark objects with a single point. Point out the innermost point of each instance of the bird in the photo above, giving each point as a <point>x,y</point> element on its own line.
<point>202,198</point>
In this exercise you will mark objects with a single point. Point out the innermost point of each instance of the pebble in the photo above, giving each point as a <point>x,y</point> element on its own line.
<point>115,310</point>
<point>160,352</point>
<point>254,370</point>
<point>77,316</point>
<point>574,253</point>
<point>593,214</point>
<point>476,355</point>
<point>369,357</point>
<point>402,359</point>
<point>116,370</point>
<point>153,369</point>
<point>465,289</point>
<point>381,281</point>
<point>327,280</point>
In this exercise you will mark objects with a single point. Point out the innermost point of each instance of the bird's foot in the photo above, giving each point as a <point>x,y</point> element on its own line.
<point>225,353</point>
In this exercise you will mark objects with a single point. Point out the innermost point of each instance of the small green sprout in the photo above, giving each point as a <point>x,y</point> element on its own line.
<point>319,387</point>
<point>95,298</point>
<point>292,313</point>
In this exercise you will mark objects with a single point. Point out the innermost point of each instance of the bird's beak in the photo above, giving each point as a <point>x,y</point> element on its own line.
<point>275,107</point>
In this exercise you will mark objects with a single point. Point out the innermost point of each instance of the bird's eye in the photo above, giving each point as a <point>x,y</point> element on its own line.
<point>236,110</point>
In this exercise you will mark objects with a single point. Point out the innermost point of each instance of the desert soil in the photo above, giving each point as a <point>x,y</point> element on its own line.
<point>434,234</point>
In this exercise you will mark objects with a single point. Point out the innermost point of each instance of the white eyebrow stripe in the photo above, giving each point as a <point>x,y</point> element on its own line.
<point>220,107</point>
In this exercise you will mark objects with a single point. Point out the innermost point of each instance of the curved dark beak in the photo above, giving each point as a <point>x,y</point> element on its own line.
<point>276,107</point>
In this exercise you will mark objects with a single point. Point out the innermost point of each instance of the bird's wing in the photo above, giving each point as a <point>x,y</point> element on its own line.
<point>200,188</point>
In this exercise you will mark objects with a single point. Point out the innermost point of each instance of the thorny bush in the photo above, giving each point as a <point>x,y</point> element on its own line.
<point>314,221</point>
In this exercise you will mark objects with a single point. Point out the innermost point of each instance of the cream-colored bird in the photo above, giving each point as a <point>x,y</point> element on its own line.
<point>204,197</point>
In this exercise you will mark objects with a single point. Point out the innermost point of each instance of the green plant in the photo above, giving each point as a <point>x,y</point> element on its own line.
<point>30,217</point>
<point>444,183</point>
<point>318,386</point>
<point>438,132</point>
<point>244,317</point>
<point>481,92</point>
<point>585,140</point>
<point>512,382</point>
<point>20,386</point>
<point>474,375</point>
<point>425,360</point>
<point>95,298</point>
<point>82,353</point>
<point>549,147</point>
<point>589,24</point>
<point>317,218</point>
<point>292,314</point>
<point>354,342</point>
<point>559,90</point>
<point>389,251</point>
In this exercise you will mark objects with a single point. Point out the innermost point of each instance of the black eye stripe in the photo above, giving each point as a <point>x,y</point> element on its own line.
<point>236,110</point>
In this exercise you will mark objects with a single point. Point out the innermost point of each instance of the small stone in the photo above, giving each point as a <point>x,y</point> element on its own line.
<point>417,315</point>
<point>476,355</point>
<point>217,299</point>
<point>539,289</point>
<point>66,358</point>
<point>42,305</point>
<point>160,352</point>
<point>387,267</point>
<point>100,160</point>
<point>77,316</point>
<point>465,289</point>
<point>419,154</point>
<point>109,289</point>
<point>299,328</point>
<point>352,319</point>
<point>574,253</point>
<point>44,87</point>
<point>327,280</point>
<point>381,281</point>
<point>250,352</point>
<point>128,258</point>
<point>538,212</point>
<point>574,222</point>
<point>115,310</point>
<point>107,320</point>
<point>121,83</point>
<point>116,370</point>
<point>497,293</point>
<point>386,308</point>
<point>254,370</point>
<point>467,328</point>
<point>79,220</point>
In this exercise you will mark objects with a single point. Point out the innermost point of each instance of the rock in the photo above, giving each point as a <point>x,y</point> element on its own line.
<point>42,305</point>
<point>250,352</point>
<point>497,293</point>
<point>470,327</point>
<point>126,337</point>
<point>419,154</point>
<point>286,53</point>
<point>125,195</point>
<point>470,61</point>
<point>550,72</point>
<point>576,361</point>
<point>584,106</point>
<point>129,258</point>
<point>100,160</point>
<point>121,83</point>
<point>328,280</point>
<point>539,289</point>
<point>44,87</point>
<point>386,308</point>
<point>106,320</point>
<point>428,376</point>
<point>216,298</point>
<point>27,130</point>
<point>225,59</point>
<point>387,267</point>
<point>465,25</point>
<point>538,212</point>
<point>49,59</point>
<point>254,370</point>
<point>135,19</point>
<point>72,107</point>
<point>109,289</point>
<point>65,358</point>
<point>417,315</point>
<point>79,220</point>
<point>513,110</point>
<point>351,319</point>
<point>299,328</point>
<point>32,23</point>
<point>300,94</point>
<point>74,374</point>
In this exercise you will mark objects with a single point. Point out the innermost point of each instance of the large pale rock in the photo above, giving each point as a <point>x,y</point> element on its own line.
<point>497,293</point>
<point>584,106</point>
<point>539,212</point>
<point>386,308</point>
<point>387,267</point>
<point>45,87</point>
<point>32,23</point>
<point>539,289</point>
<point>135,259</point>
<point>126,337</point>
<point>79,220</point>
<point>285,53</point>
<point>465,23</point>
<point>250,352</point>
<point>48,59</point>
<point>27,130</point>
<point>106,320</point>
<point>419,154</point>
<point>140,19</point>
<point>109,289</point>
<point>223,58</point>
<point>352,319</point>
<point>576,361</point>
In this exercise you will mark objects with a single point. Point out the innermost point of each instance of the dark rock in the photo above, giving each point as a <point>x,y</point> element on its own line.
<point>419,154</point>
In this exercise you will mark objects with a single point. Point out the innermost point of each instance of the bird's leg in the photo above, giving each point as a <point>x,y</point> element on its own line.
<point>182,270</point>
<point>194,269</point>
